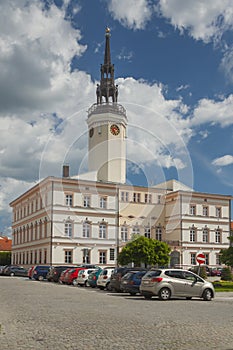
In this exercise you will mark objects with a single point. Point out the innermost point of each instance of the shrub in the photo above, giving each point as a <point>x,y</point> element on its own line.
<point>226,274</point>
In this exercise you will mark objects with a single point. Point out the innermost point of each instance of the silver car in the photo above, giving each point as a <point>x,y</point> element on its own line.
<point>167,283</point>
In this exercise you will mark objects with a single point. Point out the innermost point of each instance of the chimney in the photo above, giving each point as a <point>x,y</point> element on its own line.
<point>66,171</point>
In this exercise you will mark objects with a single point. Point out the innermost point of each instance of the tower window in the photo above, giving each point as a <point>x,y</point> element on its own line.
<point>87,201</point>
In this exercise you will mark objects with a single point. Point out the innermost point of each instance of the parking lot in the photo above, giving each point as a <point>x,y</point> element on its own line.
<point>43,315</point>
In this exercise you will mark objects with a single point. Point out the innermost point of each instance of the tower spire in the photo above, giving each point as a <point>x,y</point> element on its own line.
<point>107,87</point>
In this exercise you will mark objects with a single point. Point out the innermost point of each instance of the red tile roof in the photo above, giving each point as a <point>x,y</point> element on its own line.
<point>5,244</point>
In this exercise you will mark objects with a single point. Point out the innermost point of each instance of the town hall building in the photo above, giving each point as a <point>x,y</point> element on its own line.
<point>88,218</point>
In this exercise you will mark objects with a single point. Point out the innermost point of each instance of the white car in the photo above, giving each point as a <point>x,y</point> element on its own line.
<point>81,280</point>
<point>104,278</point>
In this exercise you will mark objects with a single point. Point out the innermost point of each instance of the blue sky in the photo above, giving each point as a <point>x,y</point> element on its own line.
<point>174,67</point>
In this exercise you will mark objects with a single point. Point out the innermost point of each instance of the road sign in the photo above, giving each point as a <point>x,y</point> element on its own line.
<point>200,258</point>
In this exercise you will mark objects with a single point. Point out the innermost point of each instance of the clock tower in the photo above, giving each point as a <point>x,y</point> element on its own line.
<point>107,126</point>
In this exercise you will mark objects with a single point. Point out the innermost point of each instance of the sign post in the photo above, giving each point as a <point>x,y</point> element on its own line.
<point>200,258</point>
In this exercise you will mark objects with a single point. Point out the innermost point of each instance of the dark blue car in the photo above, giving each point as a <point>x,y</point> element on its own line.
<point>39,272</point>
<point>131,281</point>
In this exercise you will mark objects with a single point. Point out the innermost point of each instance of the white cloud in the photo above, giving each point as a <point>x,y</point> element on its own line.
<point>204,20</point>
<point>131,14</point>
<point>223,161</point>
<point>213,112</point>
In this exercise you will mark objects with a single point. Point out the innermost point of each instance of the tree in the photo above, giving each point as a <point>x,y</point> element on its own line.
<point>226,256</point>
<point>226,274</point>
<point>144,250</point>
<point>5,258</point>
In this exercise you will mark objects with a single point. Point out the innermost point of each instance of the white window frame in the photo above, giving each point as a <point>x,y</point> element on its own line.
<point>148,198</point>
<point>192,235</point>
<point>135,230</point>
<point>217,236</point>
<point>158,233</point>
<point>192,209</point>
<point>68,256</point>
<point>124,233</point>
<point>86,230</point>
<point>193,258</point>
<point>124,196</point>
<point>136,197</point>
<point>205,211</point>
<point>87,201</point>
<point>69,200</point>
<point>205,235</point>
<point>68,229</point>
<point>102,257</point>
<point>103,202</point>
<point>218,212</point>
<point>103,231</point>
<point>147,232</point>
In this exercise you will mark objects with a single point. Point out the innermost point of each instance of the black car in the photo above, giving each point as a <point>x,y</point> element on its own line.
<point>55,272</point>
<point>39,272</point>
<point>15,271</point>
<point>131,281</point>
<point>118,273</point>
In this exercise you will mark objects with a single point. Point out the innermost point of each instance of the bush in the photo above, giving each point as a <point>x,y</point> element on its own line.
<point>5,258</point>
<point>226,274</point>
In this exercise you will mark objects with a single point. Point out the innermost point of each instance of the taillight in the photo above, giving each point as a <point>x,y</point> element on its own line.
<point>105,277</point>
<point>94,278</point>
<point>156,279</point>
<point>83,276</point>
<point>131,282</point>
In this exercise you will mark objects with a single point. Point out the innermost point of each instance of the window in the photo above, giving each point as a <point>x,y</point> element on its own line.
<point>218,261</point>
<point>102,230</point>
<point>159,199</point>
<point>124,234</point>
<point>192,210</point>
<point>124,196</point>
<point>158,234</point>
<point>45,256</point>
<point>206,259</point>
<point>87,201</point>
<point>102,257</point>
<point>136,230</point>
<point>68,256</point>
<point>192,235</point>
<point>68,229</point>
<point>148,198</point>
<point>86,256</point>
<point>86,230</point>
<point>218,212</point>
<point>205,211</point>
<point>147,232</point>
<point>205,234</point>
<point>136,197</point>
<point>217,236</point>
<point>69,200</point>
<point>112,254</point>
<point>103,202</point>
<point>193,258</point>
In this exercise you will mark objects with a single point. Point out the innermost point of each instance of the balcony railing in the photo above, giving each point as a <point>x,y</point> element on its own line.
<point>106,108</point>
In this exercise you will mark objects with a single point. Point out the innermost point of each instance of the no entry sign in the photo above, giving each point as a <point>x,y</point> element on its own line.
<point>200,258</point>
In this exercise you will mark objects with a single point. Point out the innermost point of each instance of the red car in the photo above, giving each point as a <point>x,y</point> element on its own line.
<point>72,274</point>
<point>30,271</point>
<point>63,275</point>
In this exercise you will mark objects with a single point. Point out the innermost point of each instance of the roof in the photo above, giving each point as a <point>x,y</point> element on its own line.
<point>5,244</point>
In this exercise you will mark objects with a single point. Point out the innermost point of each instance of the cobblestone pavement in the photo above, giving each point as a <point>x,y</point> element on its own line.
<point>41,315</point>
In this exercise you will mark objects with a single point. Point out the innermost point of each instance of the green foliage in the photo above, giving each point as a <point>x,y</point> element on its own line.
<point>5,258</point>
<point>223,286</point>
<point>226,274</point>
<point>226,256</point>
<point>144,250</point>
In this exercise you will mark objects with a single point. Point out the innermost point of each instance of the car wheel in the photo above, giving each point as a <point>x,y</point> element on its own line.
<point>74,283</point>
<point>40,278</point>
<point>132,293</point>
<point>207,295</point>
<point>188,298</point>
<point>12,274</point>
<point>164,294</point>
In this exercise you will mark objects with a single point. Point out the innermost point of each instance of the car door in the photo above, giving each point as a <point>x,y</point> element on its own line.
<point>193,285</point>
<point>176,281</point>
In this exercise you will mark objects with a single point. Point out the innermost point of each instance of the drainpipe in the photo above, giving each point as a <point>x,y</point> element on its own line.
<point>117,224</point>
<point>181,231</point>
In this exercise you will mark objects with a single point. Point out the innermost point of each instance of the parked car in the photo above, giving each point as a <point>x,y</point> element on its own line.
<point>16,271</point>
<point>81,280</point>
<point>93,277</point>
<point>6,268</point>
<point>196,269</point>
<point>216,271</point>
<point>131,281</point>
<point>54,272</point>
<point>63,275</point>
<point>167,283</point>
<point>71,275</point>
<point>39,272</point>
<point>104,278</point>
<point>118,273</point>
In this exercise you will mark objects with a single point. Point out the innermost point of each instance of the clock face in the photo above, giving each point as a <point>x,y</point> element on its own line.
<point>115,130</point>
<point>91,132</point>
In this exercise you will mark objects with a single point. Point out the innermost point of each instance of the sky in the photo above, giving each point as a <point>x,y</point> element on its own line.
<point>174,69</point>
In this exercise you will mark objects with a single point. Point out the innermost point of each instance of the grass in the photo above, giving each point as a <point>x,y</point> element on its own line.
<point>223,286</point>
